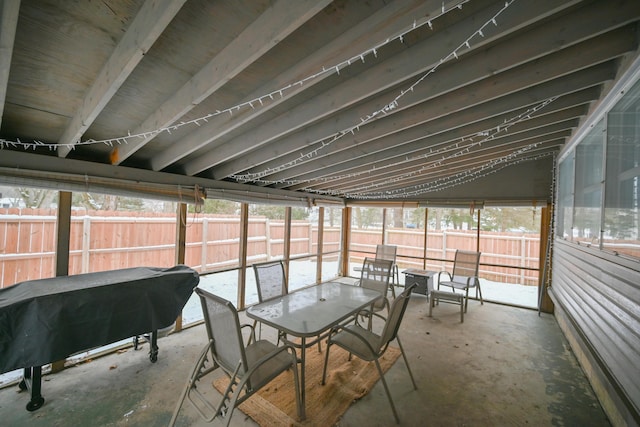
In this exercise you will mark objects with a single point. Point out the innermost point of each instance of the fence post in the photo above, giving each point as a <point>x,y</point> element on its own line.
<point>205,240</point>
<point>320,243</point>
<point>523,258</point>
<point>267,232</point>
<point>444,244</point>
<point>86,243</point>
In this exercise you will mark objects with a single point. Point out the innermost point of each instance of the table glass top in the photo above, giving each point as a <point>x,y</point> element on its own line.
<point>309,311</point>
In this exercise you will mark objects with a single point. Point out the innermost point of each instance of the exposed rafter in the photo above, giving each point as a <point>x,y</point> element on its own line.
<point>150,22</point>
<point>275,24</point>
<point>399,100</point>
<point>8,22</point>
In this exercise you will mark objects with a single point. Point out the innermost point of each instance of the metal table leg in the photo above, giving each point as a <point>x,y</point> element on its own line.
<point>303,351</point>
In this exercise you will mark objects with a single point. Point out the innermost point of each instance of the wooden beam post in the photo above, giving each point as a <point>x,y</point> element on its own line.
<point>181,239</point>
<point>62,247</point>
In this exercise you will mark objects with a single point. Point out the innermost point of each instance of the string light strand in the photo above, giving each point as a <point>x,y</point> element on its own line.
<point>250,104</point>
<point>387,108</point>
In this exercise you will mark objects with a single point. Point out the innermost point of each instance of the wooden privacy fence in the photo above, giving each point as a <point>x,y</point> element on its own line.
<point>104,240</point>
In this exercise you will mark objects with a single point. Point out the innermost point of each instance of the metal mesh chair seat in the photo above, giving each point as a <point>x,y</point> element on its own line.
<point>268,370</point>
<point>460,282</point>
<point>360,341</point>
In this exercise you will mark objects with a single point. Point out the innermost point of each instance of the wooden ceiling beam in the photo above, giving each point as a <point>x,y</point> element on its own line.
<point>386,23</point>
<point>147,26</point>
<point>454,167</point>
<point>555,69</point>
<point>276,23</point>
<point>405,160</point>
<point>478,154</point>
<point>8,24</point>
<point>561,33</point>
<point>385,74</point>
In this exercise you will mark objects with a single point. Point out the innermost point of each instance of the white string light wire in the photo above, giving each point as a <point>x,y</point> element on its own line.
<point>417,23</point>
<point>394,104</point>
<point>461,178</point>
<point>486,135</point>
<point>444,183</point>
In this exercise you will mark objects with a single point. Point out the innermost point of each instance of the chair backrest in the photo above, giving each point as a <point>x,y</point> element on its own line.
<point>270,280</point>
<point>223,329</point>
<point>466,264</point>
<point>387,252</point>
<point>396,313</point>
<point>376,274</point>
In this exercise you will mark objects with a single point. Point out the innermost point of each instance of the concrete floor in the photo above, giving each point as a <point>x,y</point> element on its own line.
<point>504,366</point>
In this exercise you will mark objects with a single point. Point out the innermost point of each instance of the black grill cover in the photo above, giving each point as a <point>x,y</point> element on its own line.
<point>45,320</point>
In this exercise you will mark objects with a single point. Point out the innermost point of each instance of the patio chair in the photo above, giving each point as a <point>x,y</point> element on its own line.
<point>369,346</point>
<point>271,282</point>
<point>463,276</point>
<point>376,275</point>
<point>388,252</point>
<point>249,367</point>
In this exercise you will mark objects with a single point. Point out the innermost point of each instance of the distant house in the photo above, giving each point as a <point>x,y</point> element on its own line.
<point>11,202</point>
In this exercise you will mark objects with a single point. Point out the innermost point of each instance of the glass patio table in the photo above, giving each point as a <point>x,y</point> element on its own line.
<point>310,312</point>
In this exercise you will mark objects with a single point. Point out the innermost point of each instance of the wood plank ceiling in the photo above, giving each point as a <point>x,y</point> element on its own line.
<point>378,101</point>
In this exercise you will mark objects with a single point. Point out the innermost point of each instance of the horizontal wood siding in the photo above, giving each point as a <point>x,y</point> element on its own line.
<point>602,299</point>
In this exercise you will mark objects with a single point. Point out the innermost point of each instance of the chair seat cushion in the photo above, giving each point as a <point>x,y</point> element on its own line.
<point>271,368</point>
<point>352,343</point>
<point>456,285</point>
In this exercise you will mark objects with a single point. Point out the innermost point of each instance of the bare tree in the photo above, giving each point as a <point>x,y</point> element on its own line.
<point>37,197</point>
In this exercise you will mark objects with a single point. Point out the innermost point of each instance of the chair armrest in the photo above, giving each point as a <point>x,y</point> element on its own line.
<point>475,279</point>
<point>469,280</point>
<point>440,273</point>
<point>367,312</point>
<point>252,334</point>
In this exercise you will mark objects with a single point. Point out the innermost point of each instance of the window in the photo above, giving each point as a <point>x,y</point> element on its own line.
<point>621,217</point>
<point>588,186</point>
<point>27,234</point>
<point>213,236</point>
<point>408,236</point>
<point>331,235</point>
<point>565,198</point>
<point>510,246</point>
<point>366,234</point>
<point>110,232</point>
<point>604,171</point>
<point>213,248</point>
<point>450,229</point>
